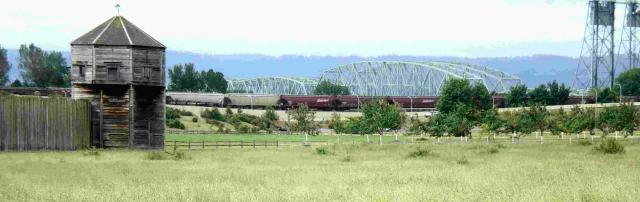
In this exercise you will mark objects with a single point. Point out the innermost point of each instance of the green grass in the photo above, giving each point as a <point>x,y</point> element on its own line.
<point>468,172</point>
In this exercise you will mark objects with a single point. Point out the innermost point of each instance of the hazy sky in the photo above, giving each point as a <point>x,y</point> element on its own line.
<point>324,27</point>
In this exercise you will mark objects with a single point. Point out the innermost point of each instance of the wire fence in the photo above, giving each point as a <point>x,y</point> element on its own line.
<point>253,144</point>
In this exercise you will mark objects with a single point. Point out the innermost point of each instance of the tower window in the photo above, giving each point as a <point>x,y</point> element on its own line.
<point>81,70</point>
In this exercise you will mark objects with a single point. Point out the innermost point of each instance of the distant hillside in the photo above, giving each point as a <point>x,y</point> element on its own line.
<point>533,70</point>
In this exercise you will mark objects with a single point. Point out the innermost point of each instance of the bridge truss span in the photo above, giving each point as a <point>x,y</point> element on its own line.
<point>396,78</point>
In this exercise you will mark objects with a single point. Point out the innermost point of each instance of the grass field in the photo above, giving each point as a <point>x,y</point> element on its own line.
<point>471,172</point>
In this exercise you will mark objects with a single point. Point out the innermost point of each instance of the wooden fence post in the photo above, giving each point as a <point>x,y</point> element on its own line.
<point>254,144</point>
<point>189,144</point>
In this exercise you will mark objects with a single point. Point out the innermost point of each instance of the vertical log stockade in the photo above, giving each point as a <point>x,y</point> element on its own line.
<point>44,123</point>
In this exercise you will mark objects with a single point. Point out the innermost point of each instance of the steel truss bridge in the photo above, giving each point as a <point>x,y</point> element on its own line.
<point>384,78</point>
<point>273,85</point>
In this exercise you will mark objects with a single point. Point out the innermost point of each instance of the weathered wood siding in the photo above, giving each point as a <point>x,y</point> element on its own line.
<point>106,55</point>
<point>110,113</point>
<point>148,66</point>
<point>149,117</point>
<point>82,57</point>
<point>43,123</point>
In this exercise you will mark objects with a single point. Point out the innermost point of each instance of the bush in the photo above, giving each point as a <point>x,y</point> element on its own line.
<point>185,113</point>
<point>421,152</point>
<point>322,151</point>
<point>172,113</point>
<point>463,161</point>
<point>609,146</point>
<point>174,123</point>
<point>243,129</point>
<point>493,150</point>
<point>155,155</point>
<point>195,119</point>
<point>212,114</point>
<point>422,139</point>
<point>584,143</point>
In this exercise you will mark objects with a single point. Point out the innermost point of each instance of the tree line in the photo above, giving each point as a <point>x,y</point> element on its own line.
<point>465,106</point>
<point>38,68</point>
<point>185,78</point>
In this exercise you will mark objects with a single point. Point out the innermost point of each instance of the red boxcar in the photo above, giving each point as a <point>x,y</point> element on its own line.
<point>313,101</point>
<point>418,102</point>
<point>353,102</point>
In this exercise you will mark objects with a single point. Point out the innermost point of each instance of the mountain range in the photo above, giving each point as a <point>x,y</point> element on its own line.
<point>533,70</point>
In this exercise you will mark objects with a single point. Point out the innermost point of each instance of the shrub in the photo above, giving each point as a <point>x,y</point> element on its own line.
<point>155,155</point>
<point>421,152</point>
<point>195,119</point>
<point>322,151</point>
<point>493,150</point>
<point>584,143</point>
<point>185,113</point>
<point>463,161</point>
<point>174,123</point>
<point>172,113</point>
<point>212,114</point>
<point>609,146</point>
<point>422,139</point>
<point>243,129</point>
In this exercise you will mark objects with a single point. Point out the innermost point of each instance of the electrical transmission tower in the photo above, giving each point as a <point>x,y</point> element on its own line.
<point>629,44</point>
<point>597,66</point>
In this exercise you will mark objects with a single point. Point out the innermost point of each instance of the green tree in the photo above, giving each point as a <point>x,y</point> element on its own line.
<point>304,121</point>
<point>416,126</point>
<point>539,95</point>
<point>460,122</point>
<point>337,124</point>
<point>43,69</point>
<point>5,66</point>
<point>526,123</point>
<point>436,126</point>
<point>558,94</point>
<point>517,96</point>
<point>491,121</point>
<point>576,122</point>
<point>630,82</point>
<point>16,83</point>
<point>328,88</point>
<point>480,96</point>
<point>606,121</point>
<point>555,122</point>
<point>268,119</point>
<point>382,115</point>
<point>628,118</point>
<point>184,77</point>
<point>459,91</point>
<point>213,81</point>
<point>606,95</point>
<point>538,116</point>
<point>589,121</point>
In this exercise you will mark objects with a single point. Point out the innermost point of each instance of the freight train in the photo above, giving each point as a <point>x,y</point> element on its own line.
<point>315,102</point>
<point>322,102</point>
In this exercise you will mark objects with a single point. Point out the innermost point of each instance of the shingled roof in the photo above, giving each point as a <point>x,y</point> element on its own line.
<point>117,31</point>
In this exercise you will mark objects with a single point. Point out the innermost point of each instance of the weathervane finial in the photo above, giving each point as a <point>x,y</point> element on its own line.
<point>118,9</point>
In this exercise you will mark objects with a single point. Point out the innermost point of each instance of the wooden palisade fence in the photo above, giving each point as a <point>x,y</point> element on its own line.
<point>29,123</point>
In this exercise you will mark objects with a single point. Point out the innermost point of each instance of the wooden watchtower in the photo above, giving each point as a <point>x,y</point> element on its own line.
<point>121,69</point>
